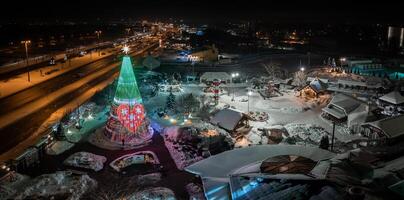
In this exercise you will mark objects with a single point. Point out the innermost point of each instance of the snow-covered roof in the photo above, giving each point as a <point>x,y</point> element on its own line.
<point>391,127</point>
<point>393,97</point>
<point>216,170</point>
<point>346,104</point>
<point>318,85</point>
<point>224,164</point>
<point>227,118</point>
<point>210,76</point>
<point>353,83</point>
<point>310,79</point>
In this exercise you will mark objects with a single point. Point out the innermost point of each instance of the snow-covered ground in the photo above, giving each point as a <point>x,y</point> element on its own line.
<point>91,117</point>
<point>86,160</point>
<point>281,110</point>
<point>59,147</point>
<point>61,183</point>
<point>181,158</point>
<point>158,193</point>
<point>195,191</point>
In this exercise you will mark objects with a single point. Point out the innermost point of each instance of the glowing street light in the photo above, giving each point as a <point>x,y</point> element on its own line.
<point>26,42</point>
<point>302,69</point>
<point>98,33</point>
<point>125,49</point>
<point>233,75</point>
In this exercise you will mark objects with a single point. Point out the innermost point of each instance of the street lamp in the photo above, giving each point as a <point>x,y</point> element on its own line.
<point>98,33</point>
<point>233,75</point>
<point>302,69</point>
<point>125,49</point>
<point>26,42</point>
<point>249,93</point>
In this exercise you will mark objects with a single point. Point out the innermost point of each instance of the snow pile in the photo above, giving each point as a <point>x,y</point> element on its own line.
<point>149,179</point>
<point>59,147</point>
<point>86,160</point>
<point>258,116</point>
<point>172,133</point>
<point>140,157</point>
<point>195,192</point>
<point>306,132</point>
<point>61,183</point>
<point>181,158</point>
<point>158,193</point>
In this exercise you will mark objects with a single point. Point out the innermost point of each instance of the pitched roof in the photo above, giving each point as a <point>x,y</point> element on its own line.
<point>393,97</point>
<point>318,85</point>
<point>392,127</point>
<point>346,104</point>
<point>227,118</point>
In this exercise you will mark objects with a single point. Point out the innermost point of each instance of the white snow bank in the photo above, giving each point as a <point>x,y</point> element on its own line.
<point>159,193</point>
<point>307,132</point>
<point>86,160</point>
<point>59,183</point>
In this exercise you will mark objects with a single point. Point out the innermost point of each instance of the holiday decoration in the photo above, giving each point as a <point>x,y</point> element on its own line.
<point>127,124</point>
<point>131,118</point>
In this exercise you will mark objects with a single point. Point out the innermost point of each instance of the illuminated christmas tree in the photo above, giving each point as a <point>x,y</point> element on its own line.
<point>127,124</point>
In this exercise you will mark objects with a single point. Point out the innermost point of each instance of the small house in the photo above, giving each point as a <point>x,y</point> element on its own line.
<point>230,120</point>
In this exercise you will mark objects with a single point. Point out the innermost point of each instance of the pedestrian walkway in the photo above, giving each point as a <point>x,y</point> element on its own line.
<point>20,82</point>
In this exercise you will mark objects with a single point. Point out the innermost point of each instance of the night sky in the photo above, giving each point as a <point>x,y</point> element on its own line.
<point>208,10</point>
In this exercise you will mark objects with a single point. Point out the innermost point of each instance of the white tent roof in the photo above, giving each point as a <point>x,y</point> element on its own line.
<point>210,76</point>
<point>227,118</point>
<point>391,127</point>
<point>393,97</point>
<point>216,170</point>
<point>224,164</point>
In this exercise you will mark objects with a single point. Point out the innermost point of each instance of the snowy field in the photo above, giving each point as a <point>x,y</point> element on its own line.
<point>288,109</point>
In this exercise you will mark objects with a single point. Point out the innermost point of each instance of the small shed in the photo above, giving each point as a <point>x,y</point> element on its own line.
<point>230,119</point>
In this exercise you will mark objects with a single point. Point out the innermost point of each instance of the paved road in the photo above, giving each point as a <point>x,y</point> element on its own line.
<point>30,94</point>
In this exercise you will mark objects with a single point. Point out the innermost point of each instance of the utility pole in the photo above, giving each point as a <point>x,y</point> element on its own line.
<point>333,135</point>
<point>98,32</point>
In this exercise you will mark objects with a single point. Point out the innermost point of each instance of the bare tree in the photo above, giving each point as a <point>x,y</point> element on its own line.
<point>117,187</point>
<point>299,78</point>
<point>273,69</point>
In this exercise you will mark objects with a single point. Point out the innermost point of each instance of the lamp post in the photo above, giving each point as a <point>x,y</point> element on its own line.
<point>98,33</point>
<point>26,42</point>
<point>249,93</point>
<point>233,75</point>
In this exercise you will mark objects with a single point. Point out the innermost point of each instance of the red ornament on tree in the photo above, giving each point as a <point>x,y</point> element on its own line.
<point>131,118</point>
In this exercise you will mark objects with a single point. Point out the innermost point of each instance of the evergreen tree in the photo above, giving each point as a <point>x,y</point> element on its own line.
<point>170,102</point>
<point>191,103</point>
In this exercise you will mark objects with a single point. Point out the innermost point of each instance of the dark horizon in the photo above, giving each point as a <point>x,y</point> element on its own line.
<point>207,11</point>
